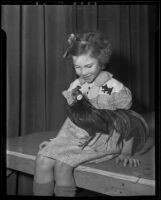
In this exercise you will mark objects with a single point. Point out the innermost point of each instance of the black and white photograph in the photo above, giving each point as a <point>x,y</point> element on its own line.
<point>81,110</point>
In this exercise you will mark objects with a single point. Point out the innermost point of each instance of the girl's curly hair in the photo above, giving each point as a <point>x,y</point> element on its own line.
<point>93,42</point>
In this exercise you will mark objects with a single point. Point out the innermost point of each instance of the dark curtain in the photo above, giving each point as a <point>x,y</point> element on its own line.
<point>37,73</point>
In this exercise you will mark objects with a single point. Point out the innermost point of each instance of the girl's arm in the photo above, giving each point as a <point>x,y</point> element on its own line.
<point>68,93</point>
<point>122,99</point>
<point>126,154</point>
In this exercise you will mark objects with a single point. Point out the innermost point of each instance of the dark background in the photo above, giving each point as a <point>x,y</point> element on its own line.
<point>37,73</point>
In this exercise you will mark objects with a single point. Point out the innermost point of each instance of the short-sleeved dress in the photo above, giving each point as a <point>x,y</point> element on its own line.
<point>104,93</point>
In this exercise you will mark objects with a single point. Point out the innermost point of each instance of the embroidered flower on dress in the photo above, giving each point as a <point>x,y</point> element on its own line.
<point>106,89</point>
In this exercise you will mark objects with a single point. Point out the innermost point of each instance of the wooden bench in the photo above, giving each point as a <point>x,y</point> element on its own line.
<point>105,177</point>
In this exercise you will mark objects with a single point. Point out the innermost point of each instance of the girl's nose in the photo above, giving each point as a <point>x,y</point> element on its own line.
<point>84,72</point>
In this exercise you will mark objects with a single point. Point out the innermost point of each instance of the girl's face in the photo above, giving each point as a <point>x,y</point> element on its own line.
<point>86,67</point>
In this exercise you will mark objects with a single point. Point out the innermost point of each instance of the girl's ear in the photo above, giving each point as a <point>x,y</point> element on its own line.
<point>102,67</point>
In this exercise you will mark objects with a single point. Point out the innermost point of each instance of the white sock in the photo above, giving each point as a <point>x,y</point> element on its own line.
<point>43,189</point>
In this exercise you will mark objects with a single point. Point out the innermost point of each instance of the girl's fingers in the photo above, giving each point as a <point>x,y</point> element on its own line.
<point>136,162</point>
<point>126,160</point>
<point>131,162</point>
<point>40,146</point>
<point>43,144</point>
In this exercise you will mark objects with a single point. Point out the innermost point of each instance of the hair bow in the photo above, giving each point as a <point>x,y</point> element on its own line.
<point>72,38</point>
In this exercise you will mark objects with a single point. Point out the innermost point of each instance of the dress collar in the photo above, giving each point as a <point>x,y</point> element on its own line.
<point>100,80</point>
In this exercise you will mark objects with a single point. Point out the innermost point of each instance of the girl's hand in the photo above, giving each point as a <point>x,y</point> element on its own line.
<point>127,159</point>
<point>43,144</point>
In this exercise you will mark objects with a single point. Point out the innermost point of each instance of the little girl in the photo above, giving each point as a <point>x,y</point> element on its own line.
<point>99,125</point>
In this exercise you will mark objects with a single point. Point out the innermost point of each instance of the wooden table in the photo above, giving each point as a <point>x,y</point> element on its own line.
<point>106,177</point>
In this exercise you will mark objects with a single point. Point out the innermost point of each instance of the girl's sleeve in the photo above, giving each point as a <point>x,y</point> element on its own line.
<point>114,95</point>
<point>68,93</point>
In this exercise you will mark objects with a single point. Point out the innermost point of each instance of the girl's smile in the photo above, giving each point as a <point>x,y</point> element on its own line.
<point>86,67</point>
<point>88,78</point>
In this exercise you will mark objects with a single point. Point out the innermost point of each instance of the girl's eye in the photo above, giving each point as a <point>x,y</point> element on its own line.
<point>89,66</point>
<point>76,67</point>
<point>86,66</point>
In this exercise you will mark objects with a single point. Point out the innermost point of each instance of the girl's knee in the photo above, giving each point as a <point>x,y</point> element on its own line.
<point>63,168</point>
<point>44,162</point>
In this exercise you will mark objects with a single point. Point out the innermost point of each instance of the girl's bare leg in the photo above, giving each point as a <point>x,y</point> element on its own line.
<point>65,183</point>
<point>44,176</point>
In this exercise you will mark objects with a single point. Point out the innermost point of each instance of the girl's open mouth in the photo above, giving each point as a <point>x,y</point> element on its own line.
<point>87,77</point>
